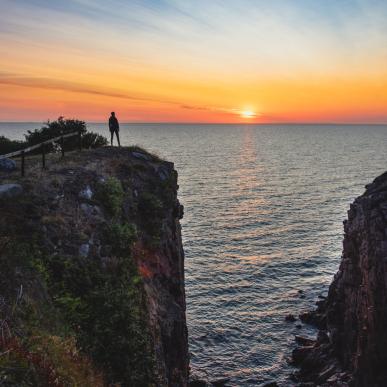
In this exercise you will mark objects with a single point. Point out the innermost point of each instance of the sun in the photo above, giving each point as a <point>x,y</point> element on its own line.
<point>247,114</point>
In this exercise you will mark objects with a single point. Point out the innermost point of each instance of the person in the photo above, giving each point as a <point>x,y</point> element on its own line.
<point>114,127</point>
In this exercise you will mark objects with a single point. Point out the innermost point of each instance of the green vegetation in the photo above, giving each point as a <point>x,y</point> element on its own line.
<point>63,126</point>
<point>111,195</point>
<point>121,237</point>
<point>53,129</point>
<point>104,307</point>
<point>8,146</point>
<point>90,316</point>
<point>150,208</point>
<point>37,346</point>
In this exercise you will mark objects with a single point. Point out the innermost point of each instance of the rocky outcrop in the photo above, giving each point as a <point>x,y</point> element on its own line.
<point>93,265</point>
<point>351,348</point>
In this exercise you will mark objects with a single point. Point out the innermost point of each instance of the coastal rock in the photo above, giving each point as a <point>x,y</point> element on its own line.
<point>110,265</point>
<point>290,318</point>
<point>220,382</point>
<point>7,165</point>
<point>141,156</point>
<point>351,348</point>
<point>10,190</point>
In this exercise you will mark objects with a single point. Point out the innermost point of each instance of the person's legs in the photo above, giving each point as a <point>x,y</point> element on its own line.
<point>118,137</point>
<point>111,137</point>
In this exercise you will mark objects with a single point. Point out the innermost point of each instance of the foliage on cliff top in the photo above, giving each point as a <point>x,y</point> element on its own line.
<point>63,126</point>
<point>52,129</point>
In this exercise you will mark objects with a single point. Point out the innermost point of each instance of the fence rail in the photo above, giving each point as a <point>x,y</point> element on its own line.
<point>22,152</point>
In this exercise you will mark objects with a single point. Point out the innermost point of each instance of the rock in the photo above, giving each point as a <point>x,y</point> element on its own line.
<point>322,337</point>
<point>269,384</point>
<point>84,250</point>
<point>313,318</point>
<point>299,354</point>
<point>219,382</point>
<point>141,156</point>
<point>10,190</point>
<point>351,345</point>
<point>290,318</point>
<point>87,193</point>
<point>304,341</point>
<point>298,326</point>
<point>198,383</point>
<point>7,165</point>
<point>89,210</point>
<point>163,173</point>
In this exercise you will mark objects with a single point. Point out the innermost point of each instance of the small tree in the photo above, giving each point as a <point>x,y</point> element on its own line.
<point>61,126</point>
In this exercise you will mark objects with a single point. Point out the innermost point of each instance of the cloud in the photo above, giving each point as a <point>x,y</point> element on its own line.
<point>7,78</point>
<point>59,84</point>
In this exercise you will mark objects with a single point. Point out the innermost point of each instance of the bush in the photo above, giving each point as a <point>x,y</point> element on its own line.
<point>105,307</point>
<point>121,237</point>
<point>111,195</point>
<point>93,140</point>
<point>64,126</point>
<point>8,146</point>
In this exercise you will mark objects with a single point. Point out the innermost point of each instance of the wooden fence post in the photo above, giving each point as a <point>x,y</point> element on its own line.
<point>22,163</point>
<point>43,156</point>
<point>80,140</point>
<point>62,145</point>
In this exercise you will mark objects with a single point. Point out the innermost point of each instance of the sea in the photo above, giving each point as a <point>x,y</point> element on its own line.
<point>262,230</point>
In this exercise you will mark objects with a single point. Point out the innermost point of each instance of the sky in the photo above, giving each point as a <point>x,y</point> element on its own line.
<point>194,60</point>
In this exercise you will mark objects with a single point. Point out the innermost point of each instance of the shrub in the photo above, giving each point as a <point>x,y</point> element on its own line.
<point>121,237</point>
<point>93,140</point>
<point>111,195</point>
<point>105,307</point>
<point>53,129</point>
<point>8,146</point>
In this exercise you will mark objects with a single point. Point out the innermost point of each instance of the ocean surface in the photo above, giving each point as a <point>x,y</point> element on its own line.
<point>264,206</point>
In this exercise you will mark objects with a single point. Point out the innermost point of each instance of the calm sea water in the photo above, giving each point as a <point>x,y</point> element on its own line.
<point>264,207</point>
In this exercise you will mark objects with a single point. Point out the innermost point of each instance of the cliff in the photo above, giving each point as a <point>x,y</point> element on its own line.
<point>92,273</point>
<point>351,346</point>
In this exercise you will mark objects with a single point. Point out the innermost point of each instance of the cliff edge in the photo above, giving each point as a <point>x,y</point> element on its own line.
<point>92,273</point>
<point>351,346</point>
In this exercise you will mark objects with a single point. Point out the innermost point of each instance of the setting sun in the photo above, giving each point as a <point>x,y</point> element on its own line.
<point>248,114</point>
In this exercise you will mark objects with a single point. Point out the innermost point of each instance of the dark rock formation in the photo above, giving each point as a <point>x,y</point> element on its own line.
<point>351,347</point>
<point>7,165</point>
<point>92,263</point>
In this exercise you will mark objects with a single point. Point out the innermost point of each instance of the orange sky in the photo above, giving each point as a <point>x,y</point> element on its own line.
<point>223,63</point>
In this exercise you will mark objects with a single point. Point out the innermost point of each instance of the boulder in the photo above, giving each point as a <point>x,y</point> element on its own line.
<point>10,190</point>
<point>290,318</point>
<point>7,165</point>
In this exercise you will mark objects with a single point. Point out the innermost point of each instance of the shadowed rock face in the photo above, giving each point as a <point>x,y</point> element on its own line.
<point>355,312</point>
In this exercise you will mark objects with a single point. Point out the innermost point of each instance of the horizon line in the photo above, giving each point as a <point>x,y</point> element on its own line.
<point>207,123</point>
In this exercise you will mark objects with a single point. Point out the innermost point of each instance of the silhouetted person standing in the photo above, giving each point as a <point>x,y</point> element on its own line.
<point>114,127</point>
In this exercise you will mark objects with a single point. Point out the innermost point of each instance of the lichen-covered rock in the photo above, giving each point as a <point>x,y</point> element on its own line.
<point>355,312</point>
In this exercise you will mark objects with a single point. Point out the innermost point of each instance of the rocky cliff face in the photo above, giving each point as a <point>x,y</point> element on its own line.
<point>351,348</point>
<point>92,278</point>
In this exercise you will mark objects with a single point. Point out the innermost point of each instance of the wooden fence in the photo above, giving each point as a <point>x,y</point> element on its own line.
<point>42,145</point>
